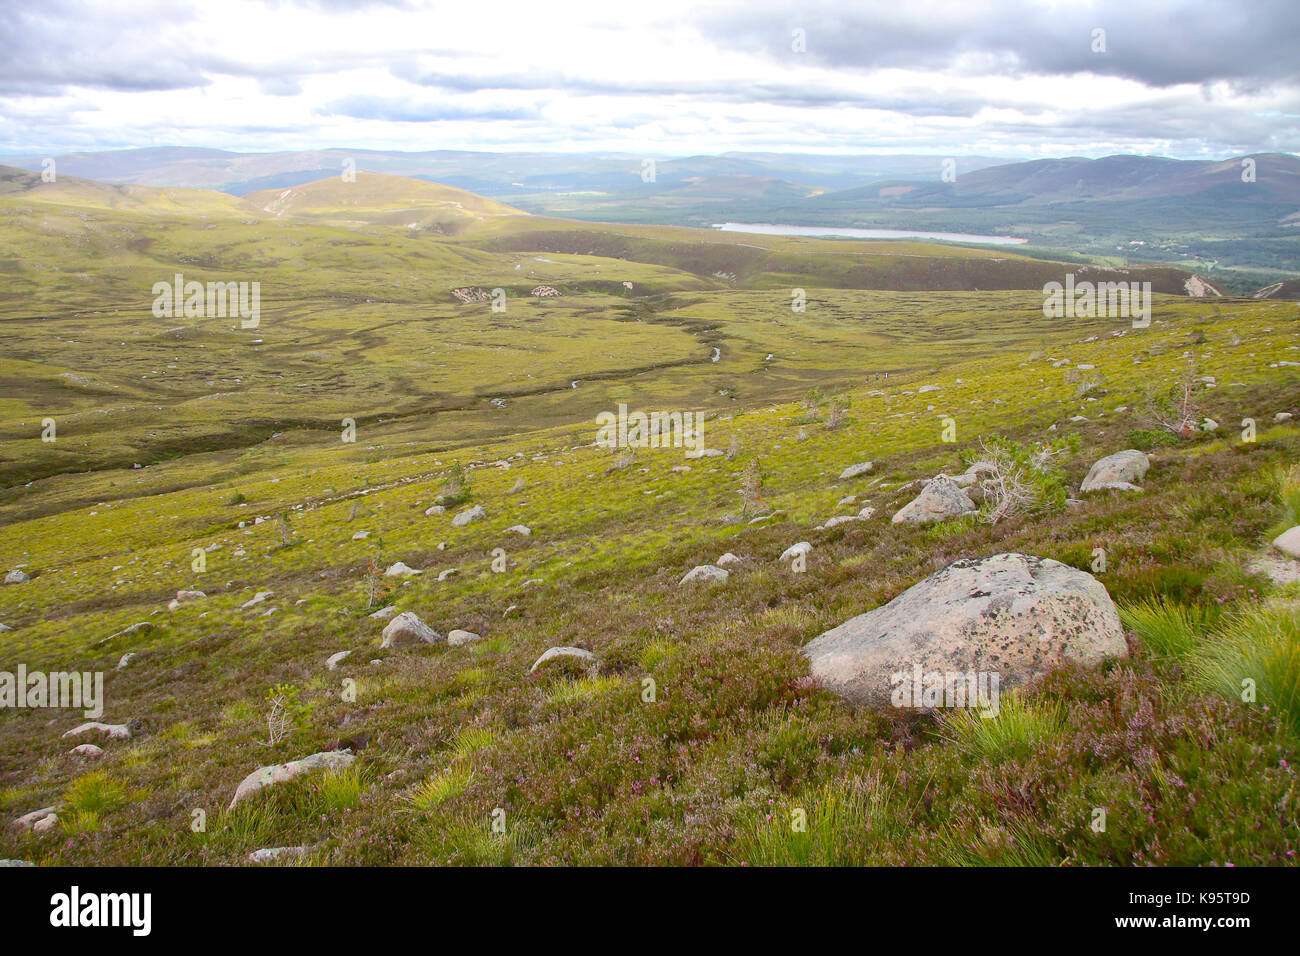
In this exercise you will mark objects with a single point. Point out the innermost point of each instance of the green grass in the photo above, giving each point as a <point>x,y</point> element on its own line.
<point>1020,724</point>
<point>1255,659</point>
<point>1168,629</point>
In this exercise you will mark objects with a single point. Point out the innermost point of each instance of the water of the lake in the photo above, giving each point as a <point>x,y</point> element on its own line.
<point>767,229</point>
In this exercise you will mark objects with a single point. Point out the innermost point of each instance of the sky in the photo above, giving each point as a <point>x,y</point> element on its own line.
<point>1022,78</point>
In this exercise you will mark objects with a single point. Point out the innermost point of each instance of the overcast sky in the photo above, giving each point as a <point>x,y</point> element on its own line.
<point>1206,78</point>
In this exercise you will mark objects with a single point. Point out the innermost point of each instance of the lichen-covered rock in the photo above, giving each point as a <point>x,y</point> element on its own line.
<point>551,654</point>
<point>1013,615</point>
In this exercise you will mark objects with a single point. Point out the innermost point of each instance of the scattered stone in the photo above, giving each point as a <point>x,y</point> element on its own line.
<point>384,613</point>
<point>185,597</point>
<point>274,853</point>
<point>1288,542</point>
<point>257,598</point>
<point>939,499</point>
<point>584,657</point>
<point>435,510</point>
<point>140,627</point>
<point>124,660</point>
<point>705,453</point>
<point>114,731</point>
<point>1013,615</point>
<point>838,520</point>
<point>457,637</point>
<point>407,629</point>
<point>17,576</point>
<point>361,536</point>
<point>334,660</point>
<point>727,560</point>
<point>1281,417</point>
<point>45,824</point>
<point>444,575</point>
<point>792,552</point>
<point>1121,470</point>
<point>468,515</point>
<point>28,820</point>
<point>710,573</point>
<point>16,863</point>
<point>264,777</point>
<point>520,529</point>
<point>87,752</point>
<point>400,570</point>
<point>853,471</point>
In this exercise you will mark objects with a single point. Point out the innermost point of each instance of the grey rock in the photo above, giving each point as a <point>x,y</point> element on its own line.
<point>469,514</point>
<point>407,629</point>
<point>1011,614</point>
<point>939,499</point>
<point>264,777</point>
<point>584,657</point>
<point>1124,468</point>
<point>709,573</point>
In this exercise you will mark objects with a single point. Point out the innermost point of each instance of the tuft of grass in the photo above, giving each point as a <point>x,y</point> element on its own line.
<point>656,652</point>
<point>1255,658</point>
<point>1019,724</point>
<point>473,739</point>
<point>442,787</point>
<point>79,821</point>
<point>341,789</point>
<point>834,826</point>
<point>572,690</point>
<point>1284,484</point>
<point>94,792</point>
<point>1168,629</point>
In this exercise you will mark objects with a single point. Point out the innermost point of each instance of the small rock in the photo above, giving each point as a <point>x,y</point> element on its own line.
<point>384,613</point>
<point>792,552</point>
<point>727,559</point>
<point>264,777</point>
<point>468,515</point>
<point>334,660</point>
<point>257,598</point>
<point>114,731</point>
<point>124,660</point>
<point>87,751</point>
<point>400,570</point>
<point>361,536</point>
<point>584,657</point>
<point>1288,542</point>
<point>1281,417</point>
<point>457,637</point>
<point>444,575</point>
<point>939,499</point>
<point>435,510</point>
<point>710,573</point>
<point>519,529</point>
<point>407,629</point>
<point>853,471</point>
<point>28,820</point>
<point>274,853</point>
<point>1120,470</point>
<point>17,576</point>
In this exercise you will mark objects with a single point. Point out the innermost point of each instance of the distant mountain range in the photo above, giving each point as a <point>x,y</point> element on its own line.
<point>1237,219</point>
<point>490,174</point>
